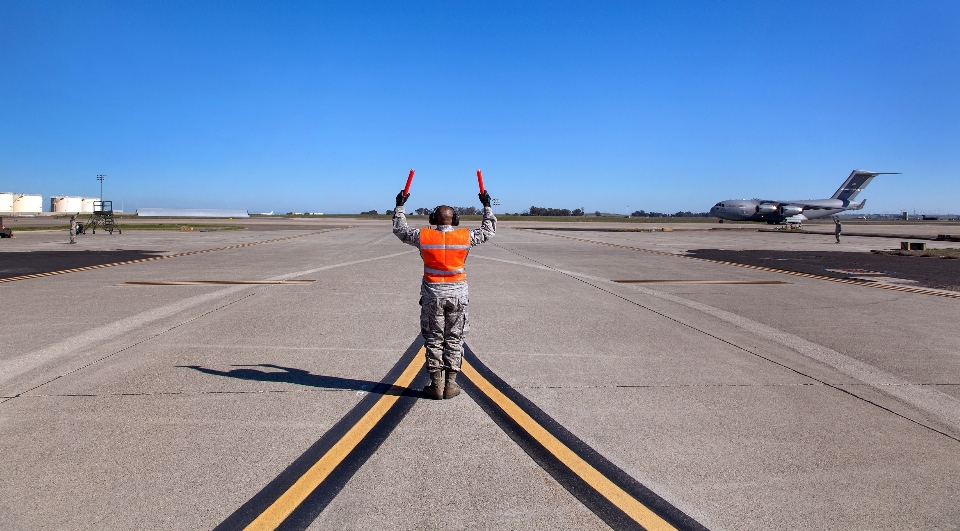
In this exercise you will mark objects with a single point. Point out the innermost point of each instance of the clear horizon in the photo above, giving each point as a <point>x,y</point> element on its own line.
<point>659,106</point>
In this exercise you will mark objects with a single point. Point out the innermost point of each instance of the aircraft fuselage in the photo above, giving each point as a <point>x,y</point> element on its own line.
<point>757,210</point>
<point>773,211</point>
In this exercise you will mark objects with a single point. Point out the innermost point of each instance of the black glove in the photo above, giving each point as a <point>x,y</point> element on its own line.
<point>484,198</point>
<point>402,198</point>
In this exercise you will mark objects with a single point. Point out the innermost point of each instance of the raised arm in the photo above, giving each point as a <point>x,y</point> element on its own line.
<point>400,227</point>
<point>488,227</point>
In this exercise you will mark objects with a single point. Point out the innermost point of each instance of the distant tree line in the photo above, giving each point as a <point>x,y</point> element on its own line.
<point>543,211</point>
<point>463,211</point>
<point>683,214</point>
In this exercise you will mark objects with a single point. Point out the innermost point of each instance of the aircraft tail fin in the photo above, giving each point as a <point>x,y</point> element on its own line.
<point>855,183</point>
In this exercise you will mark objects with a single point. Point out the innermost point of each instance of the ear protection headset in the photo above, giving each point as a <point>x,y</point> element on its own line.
<point>433,216</point>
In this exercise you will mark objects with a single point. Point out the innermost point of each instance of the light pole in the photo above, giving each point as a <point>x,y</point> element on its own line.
<point>495,202</point>
<point>626,211</point>
<point>100,178</point>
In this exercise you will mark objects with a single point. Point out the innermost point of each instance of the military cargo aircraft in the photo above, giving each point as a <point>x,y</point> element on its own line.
<point>796,212</point>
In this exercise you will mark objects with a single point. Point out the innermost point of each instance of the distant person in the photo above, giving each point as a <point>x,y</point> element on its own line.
<point>837,228</point>
<point>443,292</point>
<point>73,229</point>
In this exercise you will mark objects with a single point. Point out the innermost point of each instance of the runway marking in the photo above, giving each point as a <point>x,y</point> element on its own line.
<point>163,257</point>
<point>762,268</point>
<point>216,282</point>
<point>942,406</point>
<point>15,366</point>
<point>702,282</point>
<point>612,494</point>
<point>295,498</point>
<point>300,493</point>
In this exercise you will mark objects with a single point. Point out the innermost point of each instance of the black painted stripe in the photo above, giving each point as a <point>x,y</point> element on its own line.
<point>311,508</point>
<point>592,499</point>
<point>920,291</point>
<point>163,257</point>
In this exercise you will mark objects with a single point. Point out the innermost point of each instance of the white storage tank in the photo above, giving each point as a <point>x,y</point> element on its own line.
<point>66,204</point>
<point>86,205</point>
<point>27,203</point>
<point>6,202</point>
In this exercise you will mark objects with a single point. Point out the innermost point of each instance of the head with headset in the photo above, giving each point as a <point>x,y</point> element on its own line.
<point>444,215</point>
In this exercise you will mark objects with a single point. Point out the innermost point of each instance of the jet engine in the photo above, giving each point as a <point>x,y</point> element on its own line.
<point>790,210</point>
<point>766,208</point>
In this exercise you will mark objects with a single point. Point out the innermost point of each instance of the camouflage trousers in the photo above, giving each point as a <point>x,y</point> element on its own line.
<point>443,323</point>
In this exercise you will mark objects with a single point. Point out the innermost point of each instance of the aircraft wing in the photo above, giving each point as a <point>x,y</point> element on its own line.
<point>815,204</point>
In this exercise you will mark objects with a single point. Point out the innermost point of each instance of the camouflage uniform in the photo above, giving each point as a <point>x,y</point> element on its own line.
<point>443,305</point>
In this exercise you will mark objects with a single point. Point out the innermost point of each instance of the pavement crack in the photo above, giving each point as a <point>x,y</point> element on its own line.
<point>138,343</point>
<point>358,390</point>
<point>190,393</point>
<point>158,334</point>
<point>668,386</point>
<point>840,388</point>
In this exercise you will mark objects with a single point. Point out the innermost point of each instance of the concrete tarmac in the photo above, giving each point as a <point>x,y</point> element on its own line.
<point>806,404</point>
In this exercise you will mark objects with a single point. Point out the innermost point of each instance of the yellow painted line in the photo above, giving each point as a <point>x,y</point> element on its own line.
<point>274,515</point>
<point>163,257</point>
<point>214,282</point>
<point>628,504</point>
<point>920,291</point>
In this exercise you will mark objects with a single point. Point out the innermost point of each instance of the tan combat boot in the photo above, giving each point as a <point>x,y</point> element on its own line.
<point>451,389</point>
<point>435,389</point>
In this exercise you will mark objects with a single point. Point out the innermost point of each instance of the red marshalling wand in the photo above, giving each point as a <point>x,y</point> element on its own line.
<point>480,181</point>
<point>406,189</point>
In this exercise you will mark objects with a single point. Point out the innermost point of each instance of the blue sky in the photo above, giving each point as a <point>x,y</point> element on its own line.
<point>315,106</point>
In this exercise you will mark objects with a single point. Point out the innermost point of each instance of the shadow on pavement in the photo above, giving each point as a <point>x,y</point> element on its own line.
<point>305,378</point>
<point>937,273</point>
<point>14,264</point>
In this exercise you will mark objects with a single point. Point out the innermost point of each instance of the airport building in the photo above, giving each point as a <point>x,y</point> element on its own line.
<point>6,202</point>
<point>14,203</point>
<point>65,204</point>
<point>70,204</point>
<point>27,204</point>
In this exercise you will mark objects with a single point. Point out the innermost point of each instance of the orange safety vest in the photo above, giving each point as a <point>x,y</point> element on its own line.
<point>444,254</point>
